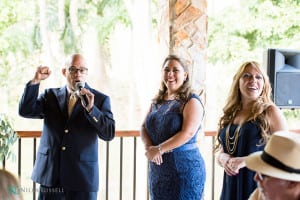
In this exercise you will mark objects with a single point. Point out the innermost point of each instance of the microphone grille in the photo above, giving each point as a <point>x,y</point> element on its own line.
<point>79,85</point>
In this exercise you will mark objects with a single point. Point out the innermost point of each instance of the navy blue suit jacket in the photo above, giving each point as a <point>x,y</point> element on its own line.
<point>68,150</point>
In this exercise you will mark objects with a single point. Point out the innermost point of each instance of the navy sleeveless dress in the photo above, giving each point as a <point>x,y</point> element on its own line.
<point>182,174</point>
<point>240,187</point>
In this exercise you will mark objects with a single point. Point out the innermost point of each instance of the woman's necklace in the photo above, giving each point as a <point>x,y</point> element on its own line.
<point>231,142</point>
<point>170,96</point>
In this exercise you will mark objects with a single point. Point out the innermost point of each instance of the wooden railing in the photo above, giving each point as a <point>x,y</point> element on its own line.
<point>119,134</point>
<point>122,135</point>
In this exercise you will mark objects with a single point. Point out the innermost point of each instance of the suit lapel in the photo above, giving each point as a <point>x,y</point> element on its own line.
<point>61,95</point>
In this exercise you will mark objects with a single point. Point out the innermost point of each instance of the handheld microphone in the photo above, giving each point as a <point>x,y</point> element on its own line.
<point>84,99</point>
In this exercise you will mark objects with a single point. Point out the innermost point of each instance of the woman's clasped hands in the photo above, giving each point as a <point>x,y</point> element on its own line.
<point>233,165</point>
<point>154,155</point>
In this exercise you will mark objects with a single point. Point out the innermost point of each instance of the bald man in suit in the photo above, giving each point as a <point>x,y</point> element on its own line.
<point>66,166</point>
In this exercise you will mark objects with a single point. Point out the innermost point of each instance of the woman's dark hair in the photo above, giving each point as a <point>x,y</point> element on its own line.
<point>184,91</point>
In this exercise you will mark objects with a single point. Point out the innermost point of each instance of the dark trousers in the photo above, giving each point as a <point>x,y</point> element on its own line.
<point>59,193</point>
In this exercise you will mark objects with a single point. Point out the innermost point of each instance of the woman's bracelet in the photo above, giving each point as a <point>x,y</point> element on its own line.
<point>159,149</point>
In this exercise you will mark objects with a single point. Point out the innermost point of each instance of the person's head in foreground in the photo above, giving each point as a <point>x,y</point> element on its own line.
<point>10,188</point>
<point>278,166</point>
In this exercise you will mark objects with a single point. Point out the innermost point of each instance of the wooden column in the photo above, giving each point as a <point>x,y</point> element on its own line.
<point>183,27</point>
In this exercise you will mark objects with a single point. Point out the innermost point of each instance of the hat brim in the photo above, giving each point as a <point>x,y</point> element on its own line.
<point>255,163</point>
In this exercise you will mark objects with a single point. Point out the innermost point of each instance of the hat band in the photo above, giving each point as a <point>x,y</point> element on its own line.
<point>276,163</point>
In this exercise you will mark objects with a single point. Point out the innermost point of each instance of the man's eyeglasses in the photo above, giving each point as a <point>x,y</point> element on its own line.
<point>74,70</point>
<point>261,176</point>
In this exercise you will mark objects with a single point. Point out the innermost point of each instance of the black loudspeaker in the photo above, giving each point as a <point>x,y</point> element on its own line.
<point>283,69</point>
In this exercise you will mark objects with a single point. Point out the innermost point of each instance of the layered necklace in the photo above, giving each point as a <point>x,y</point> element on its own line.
<point>232,141</point>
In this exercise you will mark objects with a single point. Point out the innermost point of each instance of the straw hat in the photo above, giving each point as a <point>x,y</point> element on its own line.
<point>280,158</point>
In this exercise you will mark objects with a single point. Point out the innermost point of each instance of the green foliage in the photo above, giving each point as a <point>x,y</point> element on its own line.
<point>15,37</point>
<point>21,31</point>
<point>251,27</point>
<point>284,2</point>
<point>106,15</point>
<point>102,15</point>
<point>292,113</point>
<point>7,137</point>
<point>292,117</point>
<point>244,32</point>
<point>27,26</point>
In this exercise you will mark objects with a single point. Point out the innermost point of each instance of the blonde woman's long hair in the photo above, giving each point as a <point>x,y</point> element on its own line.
<point>259,106</point>
<point>10,188</point>
<point>184,91</point>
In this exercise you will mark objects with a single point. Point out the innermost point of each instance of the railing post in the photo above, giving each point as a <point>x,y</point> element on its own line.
<point>121,167</point>
<point>19,156</point>
<point>107,169</point>
<point>34,158</point>
<point>213,170</point>
<point>3,163</point>
<point>134,168</point>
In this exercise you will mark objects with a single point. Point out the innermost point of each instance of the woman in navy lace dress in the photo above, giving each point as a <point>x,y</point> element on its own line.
<point>169,133</point>
<point>249,118</point>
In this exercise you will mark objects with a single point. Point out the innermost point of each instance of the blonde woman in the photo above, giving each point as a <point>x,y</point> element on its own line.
<point>9,186</point>
<point>249,119</point>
